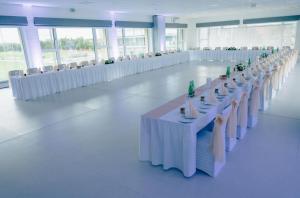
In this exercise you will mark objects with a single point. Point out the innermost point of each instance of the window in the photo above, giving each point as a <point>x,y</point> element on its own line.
<point>11,52</point>
<point>134,41</point>
<point>75,44</point>
<point>261,35</point>
<point>175,39</point>
<point>102,48</point>
<point>47,46</point>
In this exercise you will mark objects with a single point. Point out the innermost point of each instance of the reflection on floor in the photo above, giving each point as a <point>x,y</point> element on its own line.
<point>84,143</point>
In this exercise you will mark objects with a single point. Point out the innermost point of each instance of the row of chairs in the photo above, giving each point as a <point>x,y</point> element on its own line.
<point>242,48</point>
<point>233,122</point>
<point>230,125</point>
<point>49,68</point>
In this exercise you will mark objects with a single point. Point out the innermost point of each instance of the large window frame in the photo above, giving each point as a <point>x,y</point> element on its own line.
<point>179,39</point>
<point>148,36</point>
<point>229,34</point>
<point>22,50</point>
<point>95,48</point>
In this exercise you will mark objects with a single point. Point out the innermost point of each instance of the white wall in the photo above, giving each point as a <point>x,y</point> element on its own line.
<point>297,43</point>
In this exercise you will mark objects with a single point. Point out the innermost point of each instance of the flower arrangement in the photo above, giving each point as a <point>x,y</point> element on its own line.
<point>240,67</point>
<point>264,55</point>
<point>231,48</point>
<point>109,61</point>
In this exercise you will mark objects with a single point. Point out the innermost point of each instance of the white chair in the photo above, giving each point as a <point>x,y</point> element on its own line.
<point>84,63</point>
<point>210,156</point>
<point>242,116</point>
<point>72,65</point>
<point>231,129</point>
<point>253,105</point>
<point>61,66</point>
<point>93,62</point>
<point>15,73</point>
<point>102,61</point>
<point>33,70</point>
<point>48,68</point>
<point>120,58</point>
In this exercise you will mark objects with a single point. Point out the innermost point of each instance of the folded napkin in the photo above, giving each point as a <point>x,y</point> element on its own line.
<point>224,90</point>
<point>211,97</point>
<point>242,79</point>
<point>191,110</point>
<point>232,84</point>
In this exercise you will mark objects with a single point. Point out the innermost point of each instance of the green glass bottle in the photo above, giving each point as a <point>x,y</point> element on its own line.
<point>228,72</point>
<point>191,91</point>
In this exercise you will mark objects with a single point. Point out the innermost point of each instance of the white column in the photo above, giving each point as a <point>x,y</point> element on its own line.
<point>159,33</point>
<point>113,39</point>
<point>191,35</point>
<point>297,42</point>
<point>31,41</point>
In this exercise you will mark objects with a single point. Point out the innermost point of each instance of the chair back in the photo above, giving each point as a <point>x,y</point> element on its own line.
<point>93,62</point>
<point>225,114</point>
<point>15,73</point>
<point>61,66</point>
<point>84,63</point>
<point>34,70</point>
<point>48,68</point>
<point>120,58</point>
<point>102,61</point>
<point>72,65</point>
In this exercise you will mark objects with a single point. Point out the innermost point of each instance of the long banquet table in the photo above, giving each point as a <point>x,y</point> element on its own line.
<point>226,55</point>
<point>164,140</point>
<point>37,85</point>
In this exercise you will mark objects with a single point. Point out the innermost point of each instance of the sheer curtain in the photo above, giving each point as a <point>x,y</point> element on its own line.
<point>261,35</point>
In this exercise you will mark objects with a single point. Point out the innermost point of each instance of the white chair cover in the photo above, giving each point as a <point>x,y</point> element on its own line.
<point>34,70</point>
<point>232,120</point>
<point>48,68</point>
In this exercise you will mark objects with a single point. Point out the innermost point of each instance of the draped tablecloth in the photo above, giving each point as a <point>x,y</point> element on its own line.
<point>226,55</point>
<point>37,85</point>
<point>164,140</point>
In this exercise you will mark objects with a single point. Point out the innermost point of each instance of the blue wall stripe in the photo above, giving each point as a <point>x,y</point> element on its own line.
<point>13,20</point>
<point>133,24</point>
<point>272,19</point>
<point>218,23</point>
<point>62,22</point>
<point>176,25</point>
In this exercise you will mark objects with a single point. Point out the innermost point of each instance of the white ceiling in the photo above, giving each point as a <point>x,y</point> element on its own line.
<point>187,8</point>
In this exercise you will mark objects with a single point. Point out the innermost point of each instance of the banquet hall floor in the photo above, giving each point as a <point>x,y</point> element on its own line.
<point>84,143</point>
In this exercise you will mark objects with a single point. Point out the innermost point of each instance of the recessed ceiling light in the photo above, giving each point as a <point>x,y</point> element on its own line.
<point>86,2</point>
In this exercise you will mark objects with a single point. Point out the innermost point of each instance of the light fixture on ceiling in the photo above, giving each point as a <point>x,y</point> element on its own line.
<point>86,2</point>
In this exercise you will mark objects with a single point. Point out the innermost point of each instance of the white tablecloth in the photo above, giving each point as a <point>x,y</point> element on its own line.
<point>226,55</point>
<point>37,85</point>
<point>166,141</point>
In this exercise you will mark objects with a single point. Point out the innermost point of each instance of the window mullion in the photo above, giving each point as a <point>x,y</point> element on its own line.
<point>56,45</point>
<point>95,44</point>
<point>123,41</point>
